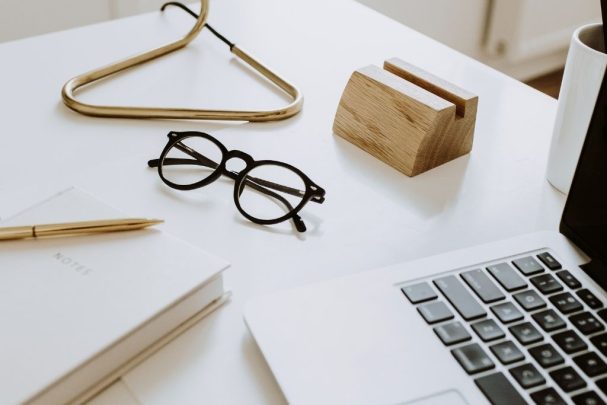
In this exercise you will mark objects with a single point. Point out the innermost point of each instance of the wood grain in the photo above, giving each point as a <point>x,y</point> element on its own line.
<point>406,117</point>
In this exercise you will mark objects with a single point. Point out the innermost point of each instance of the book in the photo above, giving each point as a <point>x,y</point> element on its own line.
<point>76,311</point>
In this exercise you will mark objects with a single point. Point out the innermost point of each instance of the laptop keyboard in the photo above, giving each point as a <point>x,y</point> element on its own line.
<point>524,329</point>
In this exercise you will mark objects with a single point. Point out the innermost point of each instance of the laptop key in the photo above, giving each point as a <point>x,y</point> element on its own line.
<point>569,342</point>
<point>526,333</point>
<point>527,376</point>
<point>507,277</point>
<point>566,303</point>
<point>498,390</point>
<point>488,330</point>
<point>587,398</point>
<point>472,358</point>
<point>600,342</point>
<point>546,355</point>
<point>546,283</point>
<point>420,292</point>
<point>507,312</point>
<point>549,261</point>
<point>452,333</point>
<point>482,285</point>
<point>603,314</point>
<point>586,323</point>
<point>568,379</point>
<point>528,266</point>
<point>591,364</point>
<point>460,298</point>
<point>434,312</point>
<point>549,320</point>
<point>568,278</point>
<point>589,298</point>
<point>602,384</point>
<point>529,300</point>
<point>507,352</point>
<point>547,396</point>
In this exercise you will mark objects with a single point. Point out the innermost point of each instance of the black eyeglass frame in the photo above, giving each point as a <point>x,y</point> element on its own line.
<point>312,192</point>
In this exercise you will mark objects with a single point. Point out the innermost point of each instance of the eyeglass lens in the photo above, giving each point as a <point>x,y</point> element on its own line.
<point>191,160</point>
<point>281,191</point>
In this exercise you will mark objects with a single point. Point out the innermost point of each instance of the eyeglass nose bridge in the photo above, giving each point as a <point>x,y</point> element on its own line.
<point>236,154</point>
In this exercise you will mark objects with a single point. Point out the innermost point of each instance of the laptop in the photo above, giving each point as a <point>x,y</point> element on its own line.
<point>517,321</point>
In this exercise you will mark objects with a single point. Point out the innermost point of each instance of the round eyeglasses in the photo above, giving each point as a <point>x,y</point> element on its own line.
<point>265,191</point>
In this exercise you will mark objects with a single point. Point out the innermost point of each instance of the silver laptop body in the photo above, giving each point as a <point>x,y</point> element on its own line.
<point>517,321</point>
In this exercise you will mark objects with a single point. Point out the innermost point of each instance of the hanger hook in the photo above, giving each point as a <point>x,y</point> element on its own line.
<point>193,14</point>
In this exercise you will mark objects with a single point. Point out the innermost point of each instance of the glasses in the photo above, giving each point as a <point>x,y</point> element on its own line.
<point>266,191</point>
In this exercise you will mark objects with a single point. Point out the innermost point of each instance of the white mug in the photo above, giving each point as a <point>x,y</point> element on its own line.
<point>584,71</point>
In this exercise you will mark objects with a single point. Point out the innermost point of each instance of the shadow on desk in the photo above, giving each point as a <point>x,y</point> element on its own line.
<point>260,370</point>
<point>429,193</point>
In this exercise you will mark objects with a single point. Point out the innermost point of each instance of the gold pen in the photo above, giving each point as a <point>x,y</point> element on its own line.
<point>76,228</point>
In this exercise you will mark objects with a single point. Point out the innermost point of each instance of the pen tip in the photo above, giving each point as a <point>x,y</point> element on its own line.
<point>151,222</point>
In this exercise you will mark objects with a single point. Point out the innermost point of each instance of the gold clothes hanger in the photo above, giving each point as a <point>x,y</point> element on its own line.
<point>70,88</point>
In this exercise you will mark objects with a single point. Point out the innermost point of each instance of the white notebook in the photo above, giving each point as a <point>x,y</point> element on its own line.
<point>74,310</point>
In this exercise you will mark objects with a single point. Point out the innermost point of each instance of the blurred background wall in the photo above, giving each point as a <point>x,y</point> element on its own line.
<point>523,38</point>
<point>526,39</point>
<point>24,18</point>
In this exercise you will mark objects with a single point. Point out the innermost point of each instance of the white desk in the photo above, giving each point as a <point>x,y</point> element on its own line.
<point>373,216</point>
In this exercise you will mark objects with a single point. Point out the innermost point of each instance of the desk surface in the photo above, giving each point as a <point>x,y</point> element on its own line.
<point>373,216</point>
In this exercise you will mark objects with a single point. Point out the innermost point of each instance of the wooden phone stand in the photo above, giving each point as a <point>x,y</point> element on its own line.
<point>406,117</point>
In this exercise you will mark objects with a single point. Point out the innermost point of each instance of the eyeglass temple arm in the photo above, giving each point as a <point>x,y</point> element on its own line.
<point>204,161</point>
<point>233,175</point>
<point>196,16</point>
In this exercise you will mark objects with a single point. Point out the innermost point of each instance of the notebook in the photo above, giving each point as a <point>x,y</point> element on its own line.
<point>77,310</point>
